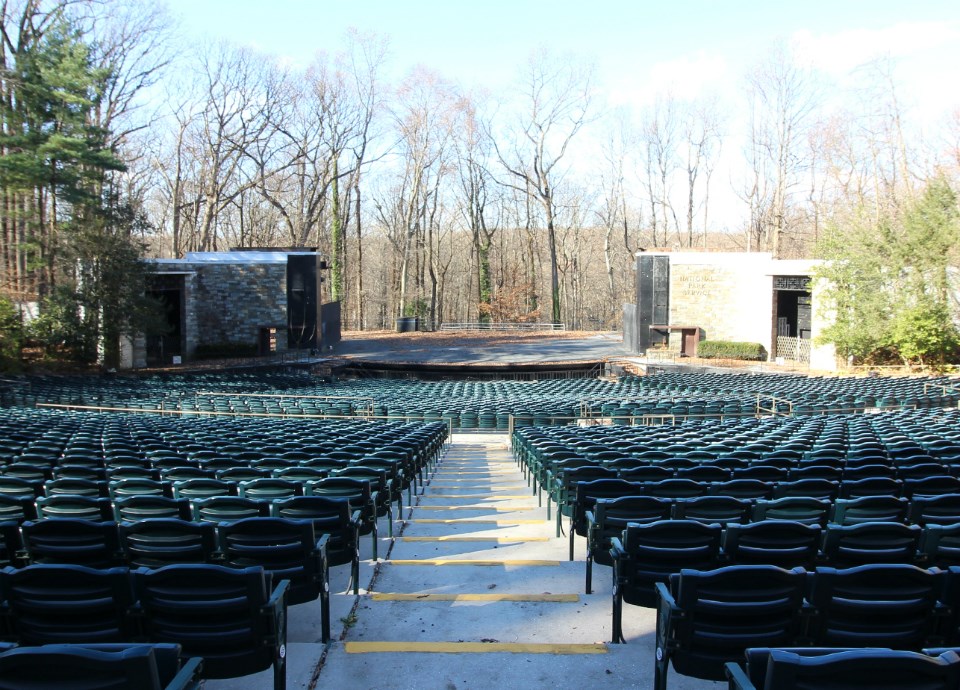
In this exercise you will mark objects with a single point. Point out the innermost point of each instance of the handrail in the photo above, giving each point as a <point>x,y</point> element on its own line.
<point>515,326</point>
<point>226,413</point>
<point>367,400</point>
<point>943,389</point>
<point>773,405</point>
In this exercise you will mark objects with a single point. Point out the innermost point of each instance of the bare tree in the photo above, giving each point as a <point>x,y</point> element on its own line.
<point>558,97</point>
<point>701,141</point>
<point>426,112</point>
<point>782,99</point>
<point>480,204</point>
<point>239,93</point>
<point>660,139</point>
<point>132,43</point>
<point>614,212</point>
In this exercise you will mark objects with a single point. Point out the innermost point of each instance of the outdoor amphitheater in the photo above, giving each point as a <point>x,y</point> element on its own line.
<point>542,512</point>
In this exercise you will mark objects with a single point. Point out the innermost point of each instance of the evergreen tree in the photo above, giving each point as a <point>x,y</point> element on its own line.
<point>887,280</point>
<point>70,233</point>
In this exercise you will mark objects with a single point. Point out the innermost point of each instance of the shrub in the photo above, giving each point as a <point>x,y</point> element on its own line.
<point>11,336</point>
<point>727,349</point>
<point>225,350</point>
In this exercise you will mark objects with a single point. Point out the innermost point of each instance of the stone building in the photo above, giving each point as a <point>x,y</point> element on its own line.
<point>239,302</point>
<point>686,297</point>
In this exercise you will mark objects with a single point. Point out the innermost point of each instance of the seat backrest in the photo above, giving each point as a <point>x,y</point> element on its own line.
<point>615,513</point>
<point>940,545</point>
<point>285,548</point>
<point>82,507</point>
<point>935,510</point>
<point>156,542</point>
<point>133,508</point>
<point>761,472</point>
<point>204,488</point>
<point>17,509</point>
<point>815,471</point>
<point>937,485</point>
<point>656,550</point>
<point>877,605</point>
<point>329,514</point>
<point>644,473</point>
<point>11,543</point>
<point>588,493</point>
<point>674,488</point>
<point>225,508</point>
<point>869,509</point>
<point>783,543</point>
<point>229,617</point>
<point>727,610</point>
<point>811,511</point>
<point>705,473</point>
<point>270,488</point>
<point>356,489</point>
<point>75,487</point>
<point>139,487</point>
<point>722,509</point>
<point>845,546</point>
<point>104,667</point>
<point>862,669</point>
<point>807,488</point>
<point>68,603</point>
<point>742,488</point>
<point>73,541</point>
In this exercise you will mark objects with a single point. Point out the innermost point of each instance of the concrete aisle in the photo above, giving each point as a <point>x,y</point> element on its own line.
<point>477,592</point>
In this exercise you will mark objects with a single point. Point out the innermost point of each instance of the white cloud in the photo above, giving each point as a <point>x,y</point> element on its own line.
<point>685,78</point>
<point>841,52</point>
<point>688,76</point>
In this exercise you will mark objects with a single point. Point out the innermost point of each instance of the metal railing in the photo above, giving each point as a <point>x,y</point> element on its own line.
<point>794,349</point>
<point>519,326</point>
<point>772,403</point>
<point>174,412</point>
<point>367,401</point>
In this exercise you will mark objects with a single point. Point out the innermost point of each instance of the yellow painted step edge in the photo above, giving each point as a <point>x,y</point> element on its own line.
<point>472,521</point>
<point>463,561</point>
<point>546,598</point>
<point>495,509</point>
<point>453,537</point>
<point>473,647</point>
<point>487,496</point>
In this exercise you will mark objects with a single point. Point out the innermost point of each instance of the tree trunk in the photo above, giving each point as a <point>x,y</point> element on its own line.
<point>336,239</point>
<point>361,297</point>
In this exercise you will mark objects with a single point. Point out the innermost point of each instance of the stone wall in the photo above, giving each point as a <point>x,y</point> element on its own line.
<point>729,296</point>
<point>232,301</point>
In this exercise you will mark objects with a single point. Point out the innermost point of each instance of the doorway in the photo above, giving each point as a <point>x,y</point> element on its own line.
<point>167,340</point>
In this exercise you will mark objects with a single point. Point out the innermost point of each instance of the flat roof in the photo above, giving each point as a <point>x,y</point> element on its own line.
<point>241,257</point>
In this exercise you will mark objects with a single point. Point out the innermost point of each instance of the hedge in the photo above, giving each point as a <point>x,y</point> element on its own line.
<point>727,349</point>
<point>225,350</point>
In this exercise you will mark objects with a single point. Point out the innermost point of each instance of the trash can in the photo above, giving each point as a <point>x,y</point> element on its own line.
<point>406,324</point>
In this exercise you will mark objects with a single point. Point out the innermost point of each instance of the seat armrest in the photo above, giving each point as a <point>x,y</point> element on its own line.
<point>667,611</point>
<point>664,596</point>
<point>188,676</point>
<point>279,594</point>
<point>737,677</point>
<point>355,518</point>
<point>617,551</point>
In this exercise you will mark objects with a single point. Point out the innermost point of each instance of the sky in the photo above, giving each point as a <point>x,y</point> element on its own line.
<point>641,48</point>
<point>634,43</point>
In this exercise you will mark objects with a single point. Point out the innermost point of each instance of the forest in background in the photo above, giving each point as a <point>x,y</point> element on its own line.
<point>429,198</point>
